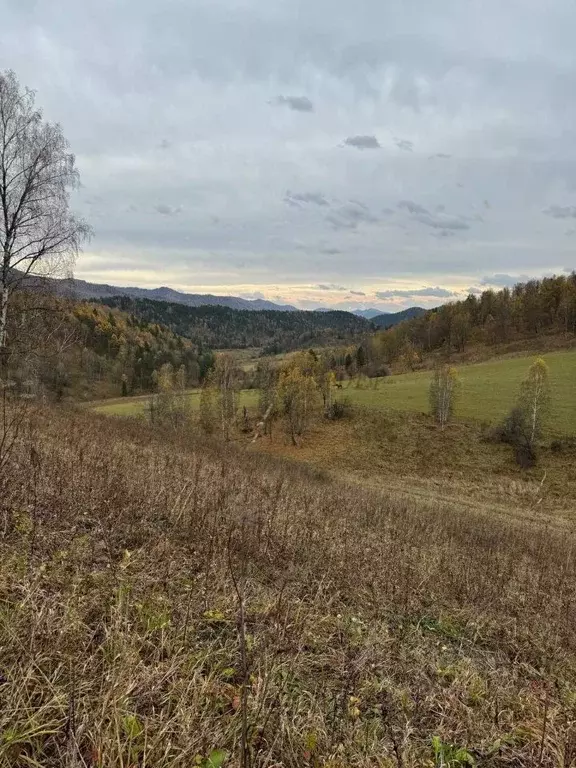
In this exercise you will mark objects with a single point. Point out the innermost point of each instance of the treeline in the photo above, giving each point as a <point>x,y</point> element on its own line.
<point>527,310</point>
<point>61,348</point>
<point>224,328</point>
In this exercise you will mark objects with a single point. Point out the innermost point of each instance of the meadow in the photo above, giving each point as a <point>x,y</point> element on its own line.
<point>489,389</point>
<point>168,602</point>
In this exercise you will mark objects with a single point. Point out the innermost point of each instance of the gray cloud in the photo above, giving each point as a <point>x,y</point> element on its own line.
<point>182,109</point>
<point>504,281</point>
<point>362,142</point>
<point>561,211</point>
<point>412,207</point>
<point>165,210</point>
<point>298,198</point>
<point>329,287</point>
<point>350,215</point>
<point>436,293</point>
<point>442,221</point>
<point>404,144</point>
<point>475,291</point>
<point>357,293</point>
<point>439,220</point>
<point>297,103</point>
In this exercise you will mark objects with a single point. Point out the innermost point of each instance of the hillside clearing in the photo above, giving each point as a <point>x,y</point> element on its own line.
<point>489,390</point>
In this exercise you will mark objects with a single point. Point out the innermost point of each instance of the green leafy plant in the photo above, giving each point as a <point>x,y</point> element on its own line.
<point>449,756</point>
<point>215,759</point>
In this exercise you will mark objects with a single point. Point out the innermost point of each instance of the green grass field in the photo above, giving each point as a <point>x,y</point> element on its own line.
<point>488,392</point>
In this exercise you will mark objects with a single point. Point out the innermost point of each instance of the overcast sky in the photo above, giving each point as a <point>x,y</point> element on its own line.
<point>316,152</point>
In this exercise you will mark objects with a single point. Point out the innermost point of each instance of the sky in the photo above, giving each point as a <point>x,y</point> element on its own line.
<point>313,152</point>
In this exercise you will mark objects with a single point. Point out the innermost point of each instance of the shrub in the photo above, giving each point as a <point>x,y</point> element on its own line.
<point>339,409</point>
<point>564,445</point>
<point>515,431</point>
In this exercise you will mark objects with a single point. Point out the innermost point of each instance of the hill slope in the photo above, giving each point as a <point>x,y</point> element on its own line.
<point>526,312</point>
<point>162,599</point>
<point>224,327</point>
<point>390,319</point>
<point>87,350</point>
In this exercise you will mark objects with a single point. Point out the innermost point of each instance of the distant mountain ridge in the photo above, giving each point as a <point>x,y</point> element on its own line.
<point>389,319</point>
<point>86,291</point>
<point>368,314</point>
<point>82,289</point>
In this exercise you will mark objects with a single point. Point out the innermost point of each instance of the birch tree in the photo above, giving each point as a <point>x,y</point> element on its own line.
<point>38,234</point>
<point>444,389</point>
<point>297,393</point>
<point>220,396</point>
<point>535,399</point>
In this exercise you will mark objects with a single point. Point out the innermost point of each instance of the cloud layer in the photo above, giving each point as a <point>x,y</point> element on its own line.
<point>274,147</point>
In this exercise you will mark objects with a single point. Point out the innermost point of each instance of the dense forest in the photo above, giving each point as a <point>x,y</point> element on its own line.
<point>89,350</point>
<point>225,328</point>
<point>526,311</point>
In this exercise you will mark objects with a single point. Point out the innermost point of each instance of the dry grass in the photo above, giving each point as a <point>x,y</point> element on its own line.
<point>160,599</point>
<point>408,453</point>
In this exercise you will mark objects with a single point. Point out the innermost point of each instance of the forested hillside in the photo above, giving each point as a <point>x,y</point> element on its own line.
<point>125,348</point>
<point>225,328</point>
<point>88,350</point>
<point>526,311</point>
<point>390,319</point>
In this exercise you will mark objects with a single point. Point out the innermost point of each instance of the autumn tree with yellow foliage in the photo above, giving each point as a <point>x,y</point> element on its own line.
<point>298,398</point>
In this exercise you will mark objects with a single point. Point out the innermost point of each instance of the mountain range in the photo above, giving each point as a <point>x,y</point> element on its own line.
<point>81,289</point>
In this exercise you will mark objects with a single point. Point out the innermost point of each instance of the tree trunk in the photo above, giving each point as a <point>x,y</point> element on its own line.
<point>4,296</point>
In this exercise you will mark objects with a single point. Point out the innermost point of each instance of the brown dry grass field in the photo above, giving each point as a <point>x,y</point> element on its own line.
<point>165,601</point>
<point>407,453</point>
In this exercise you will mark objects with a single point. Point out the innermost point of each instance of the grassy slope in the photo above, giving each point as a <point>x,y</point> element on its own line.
<point>489,390</point>
<point>408,454</point>
<point>373,623</point>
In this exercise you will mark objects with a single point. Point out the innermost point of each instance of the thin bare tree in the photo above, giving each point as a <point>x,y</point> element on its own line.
<point>444,390</point>
<point>38,234</point>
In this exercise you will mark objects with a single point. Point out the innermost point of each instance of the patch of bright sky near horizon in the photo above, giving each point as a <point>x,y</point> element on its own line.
<point>312,152</point>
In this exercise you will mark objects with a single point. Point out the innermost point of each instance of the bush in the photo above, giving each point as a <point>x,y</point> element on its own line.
<point>525,456</point>
<point>564,445</point>
<point>376,371</point>
<point>514,431</point>
<point>339,409</point>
